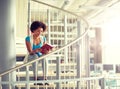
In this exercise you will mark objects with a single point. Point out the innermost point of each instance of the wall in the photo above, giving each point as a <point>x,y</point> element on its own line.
<point>21,18</point>
<point>21,26</point>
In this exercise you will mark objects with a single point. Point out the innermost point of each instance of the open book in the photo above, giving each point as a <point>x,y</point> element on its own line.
<point>47,47</point>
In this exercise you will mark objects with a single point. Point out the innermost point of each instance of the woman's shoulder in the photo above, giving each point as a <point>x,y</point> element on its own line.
<point>27,38</point>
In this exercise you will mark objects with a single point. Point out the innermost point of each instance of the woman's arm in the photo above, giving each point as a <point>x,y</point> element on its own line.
<point>29,48</point>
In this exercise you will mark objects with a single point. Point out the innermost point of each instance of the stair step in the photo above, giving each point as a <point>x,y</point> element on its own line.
<point>35,86</point>
<point>52,85</point>
<point>23,74</point>
<point>51,64</point>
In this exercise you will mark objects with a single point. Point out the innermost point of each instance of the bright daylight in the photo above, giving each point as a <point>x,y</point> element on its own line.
<point>60,44</point>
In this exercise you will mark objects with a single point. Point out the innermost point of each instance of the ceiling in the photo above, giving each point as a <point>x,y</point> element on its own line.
<point>86,8</point>
<point>81,7</point>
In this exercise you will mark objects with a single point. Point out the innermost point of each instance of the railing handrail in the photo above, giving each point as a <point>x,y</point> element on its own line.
<point>42,57</point>
<point>62,10</point>
<point>57,50</point>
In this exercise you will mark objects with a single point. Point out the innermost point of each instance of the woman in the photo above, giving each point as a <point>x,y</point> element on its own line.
<point>37,28</point>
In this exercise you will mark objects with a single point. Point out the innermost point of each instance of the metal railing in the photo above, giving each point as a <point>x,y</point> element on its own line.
<point>68,64</point>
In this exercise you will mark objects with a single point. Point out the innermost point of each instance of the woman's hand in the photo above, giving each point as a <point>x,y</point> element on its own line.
<point>39,50</point>
<point>46,51</point>
<point>34,51</point>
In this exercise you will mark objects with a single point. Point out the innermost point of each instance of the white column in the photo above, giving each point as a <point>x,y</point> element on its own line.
<point>7,38</point>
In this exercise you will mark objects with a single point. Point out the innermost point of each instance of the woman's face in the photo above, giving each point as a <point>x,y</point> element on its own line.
<point>38,32</point>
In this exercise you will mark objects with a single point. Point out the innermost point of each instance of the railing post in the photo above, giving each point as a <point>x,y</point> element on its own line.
<point>29,17</point>
<point>102,83</point>
<point>78,65</point>
<point>49,29</point>
<point>27,77</point>
<point>65,33</point>
<point>78,56</point>
<point>0,83</point>
<point>58,71</point>
<point>13,79</point>
<point>87,57</point>
<point>10,80</point>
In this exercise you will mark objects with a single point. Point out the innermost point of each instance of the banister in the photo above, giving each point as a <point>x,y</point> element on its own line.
<point>57,50</point>
<point>62,10</point>
<point>44,56</point>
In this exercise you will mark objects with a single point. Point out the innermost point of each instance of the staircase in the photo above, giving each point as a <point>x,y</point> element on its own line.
<point>67,65</point>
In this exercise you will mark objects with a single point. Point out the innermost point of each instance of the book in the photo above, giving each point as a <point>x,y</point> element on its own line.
<point>46,47</point>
